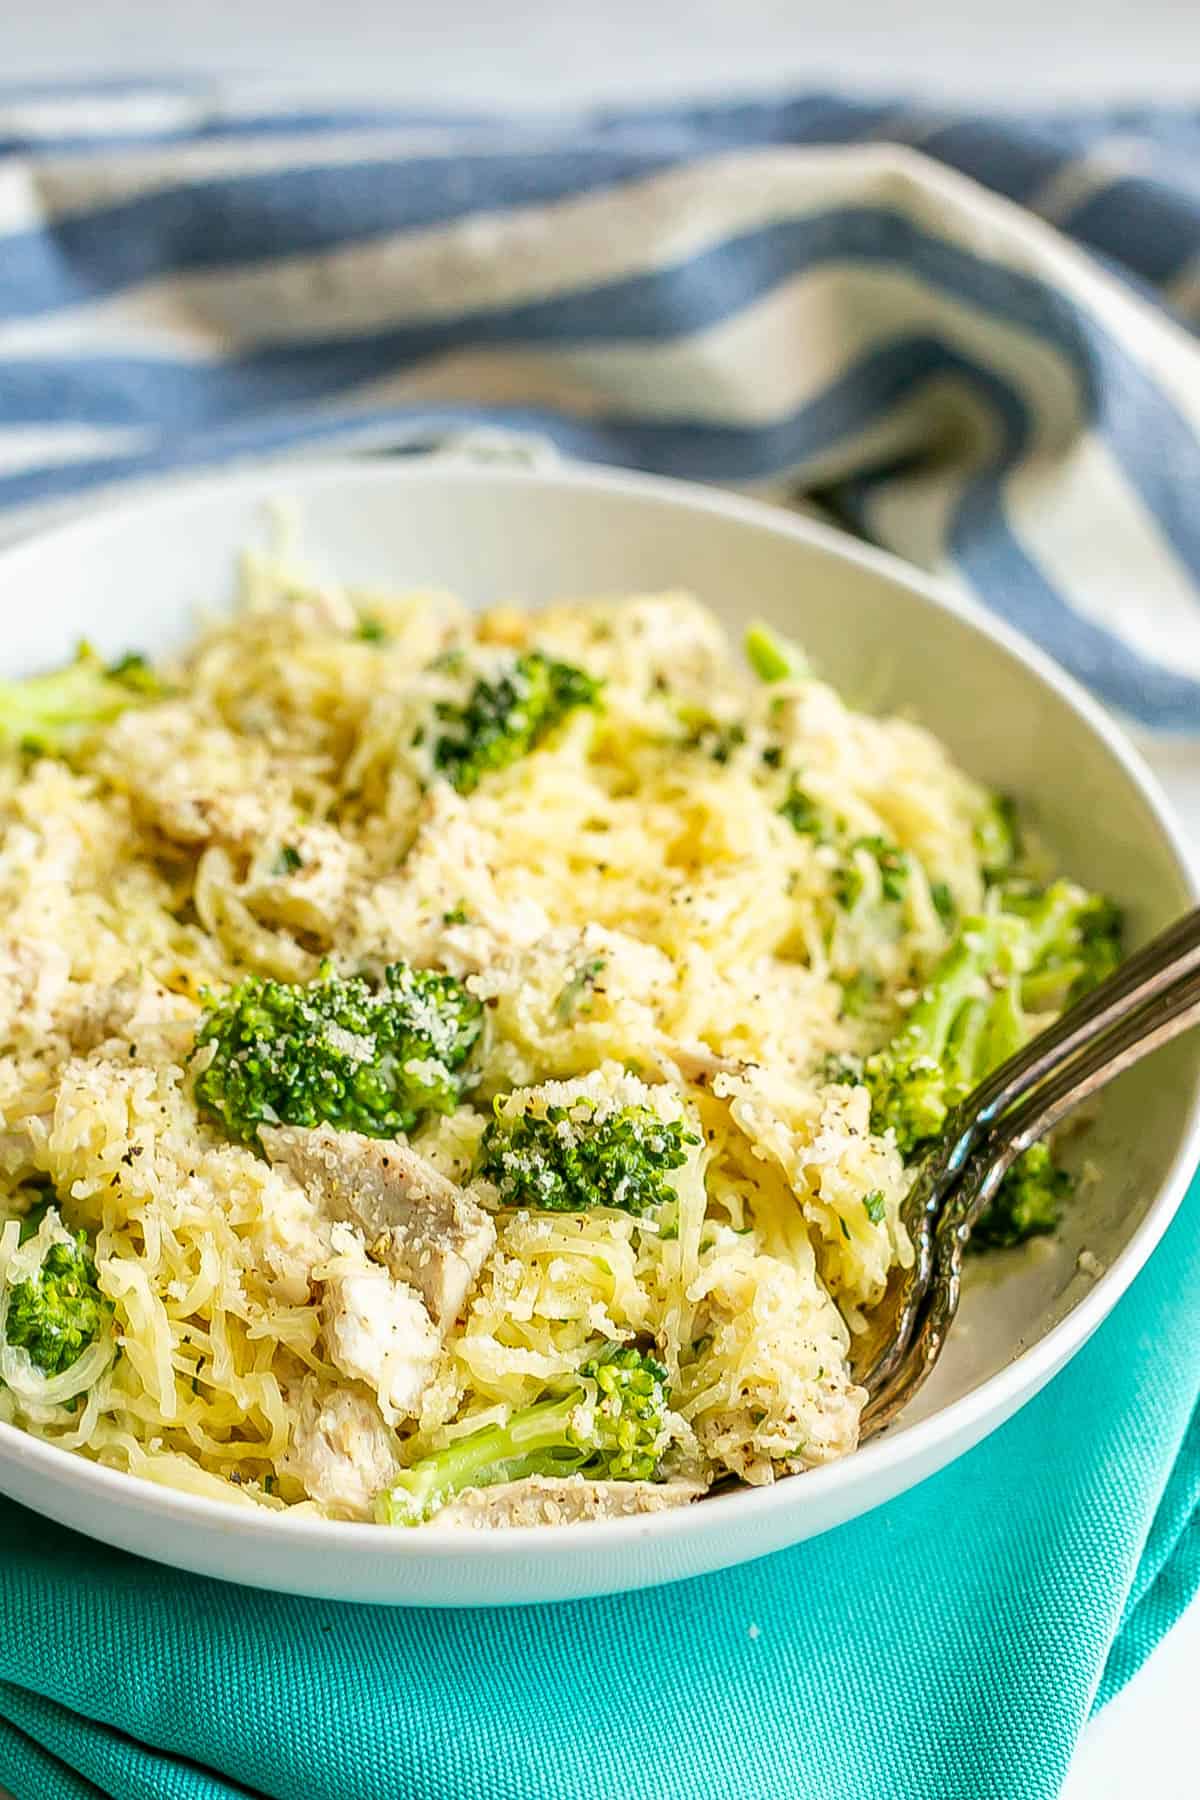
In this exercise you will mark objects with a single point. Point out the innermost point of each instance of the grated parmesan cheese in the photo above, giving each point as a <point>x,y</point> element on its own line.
<point>629,886</point>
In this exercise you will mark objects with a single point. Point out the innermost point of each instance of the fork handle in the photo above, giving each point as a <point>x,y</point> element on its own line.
<point>931,1306</point>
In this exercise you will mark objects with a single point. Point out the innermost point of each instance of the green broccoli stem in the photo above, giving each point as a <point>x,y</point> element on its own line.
<point>1072,941</point>
<point>1043,945</point>
<point>986,1032</point>
<point>773,658</point>
<point>1043,990</point>
<point>617,1439</point>
<point>1005,1032</point>
<point>942,1049</point>
<point>927,1030</point>
<point>964,1047</point>
<point>55,711</point>
<point>535,1440</point>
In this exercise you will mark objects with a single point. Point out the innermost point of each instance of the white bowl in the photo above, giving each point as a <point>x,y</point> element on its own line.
<point>888,638</point>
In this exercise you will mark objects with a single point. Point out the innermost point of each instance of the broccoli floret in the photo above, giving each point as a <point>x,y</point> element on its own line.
<point>338,1050</point>
<point>569,1160</point>
<point>771,657</point>
<point>54,714</point>
<point>609,1426</point>
<point>59,1312</point>
<point>503,719</point>
<point>1046,946</point>
<point>1074,941</point>
<point>935,1059</point>
<point>974,1013</point>
<point>1029,1202</point>
<point>1100,925</point>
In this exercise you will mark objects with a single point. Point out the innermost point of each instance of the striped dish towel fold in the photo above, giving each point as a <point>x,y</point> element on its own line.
<point>965,337</point>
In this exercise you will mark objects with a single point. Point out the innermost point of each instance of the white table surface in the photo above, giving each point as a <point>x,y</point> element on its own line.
<point>552,54</point>
<point>555,51</point>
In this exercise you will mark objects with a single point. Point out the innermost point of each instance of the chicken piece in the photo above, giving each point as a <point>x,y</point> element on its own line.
<point>545,1500</point>
<point>150,756</point>
<point>378,1330</point>
<point>341,1452</point>
<point>423,1228</point>
<point>33,979</point>
<point>440,1249</point>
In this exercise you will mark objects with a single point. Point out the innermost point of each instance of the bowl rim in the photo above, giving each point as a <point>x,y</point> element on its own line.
<point>965,1418</point>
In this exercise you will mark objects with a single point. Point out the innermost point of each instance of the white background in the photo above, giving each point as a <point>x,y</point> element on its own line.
<point>550,51</point>
<point>553,52</point>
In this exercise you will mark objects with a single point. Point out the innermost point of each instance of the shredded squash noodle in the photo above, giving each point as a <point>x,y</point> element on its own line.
<point>656,881</point>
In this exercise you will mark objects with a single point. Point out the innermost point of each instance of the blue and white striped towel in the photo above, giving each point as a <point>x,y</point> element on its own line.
<point>966,337</point>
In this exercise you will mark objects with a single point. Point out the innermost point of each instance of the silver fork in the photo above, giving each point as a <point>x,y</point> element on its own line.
<point>1152,998</point>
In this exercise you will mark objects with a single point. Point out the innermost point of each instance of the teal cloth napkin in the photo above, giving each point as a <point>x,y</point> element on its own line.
<point>950,1646</point>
